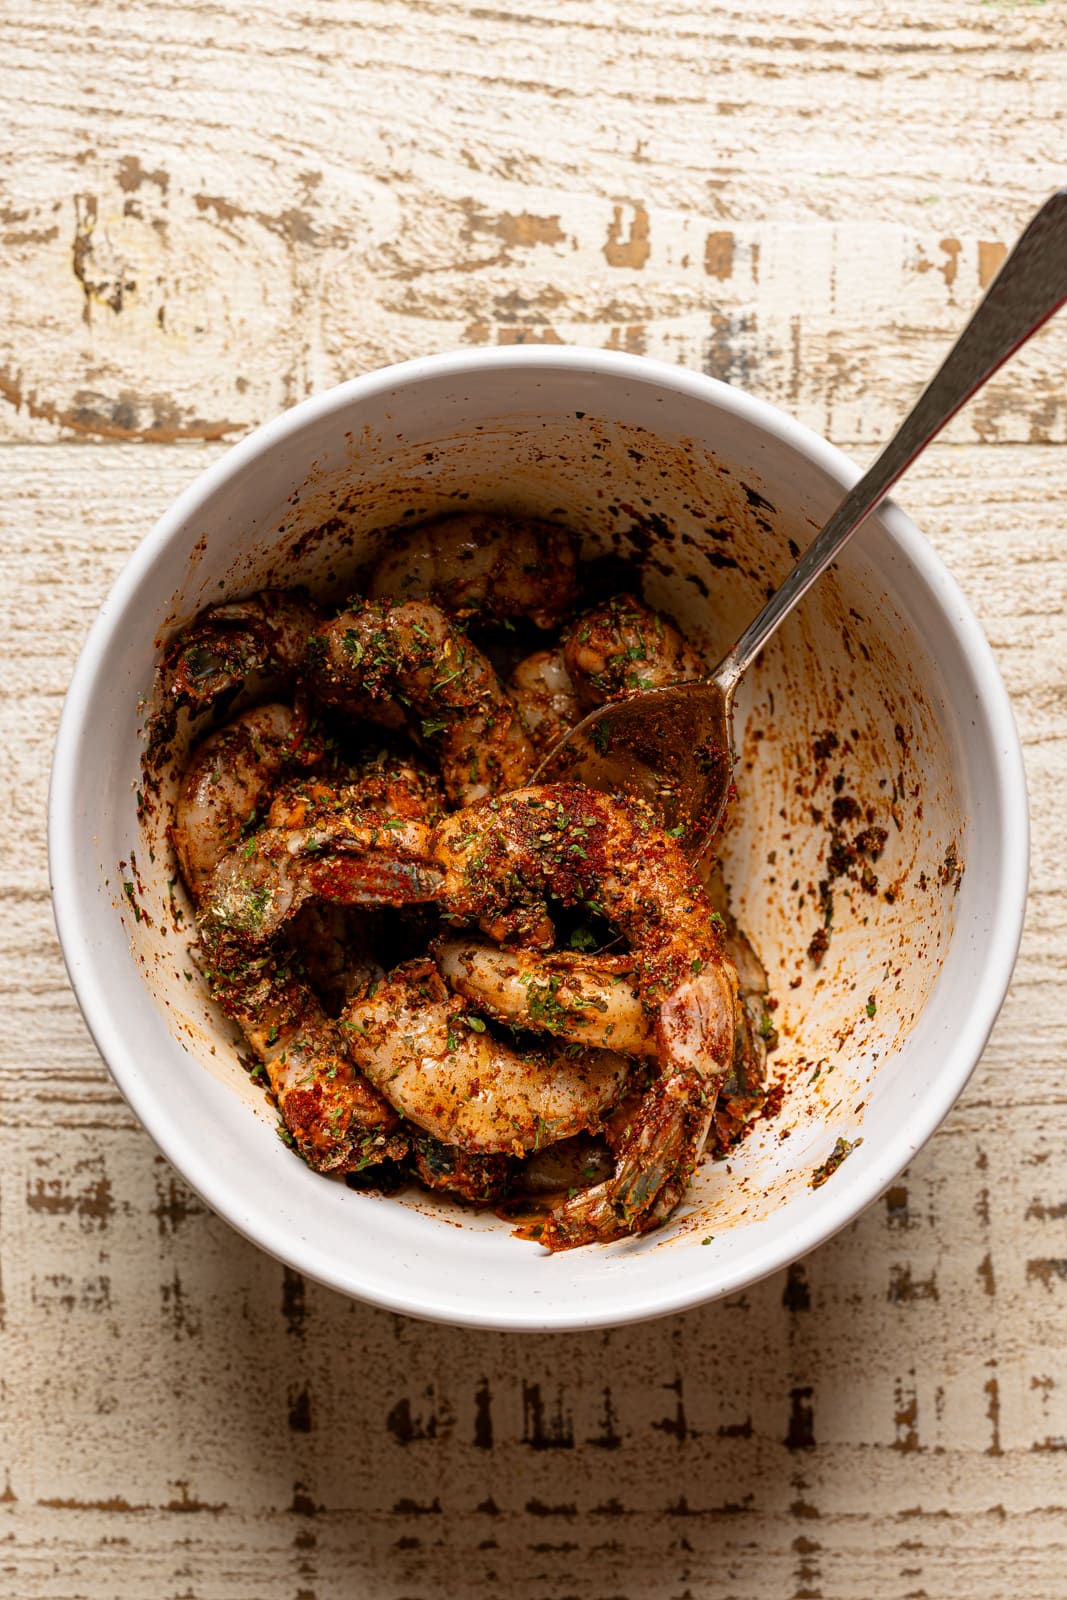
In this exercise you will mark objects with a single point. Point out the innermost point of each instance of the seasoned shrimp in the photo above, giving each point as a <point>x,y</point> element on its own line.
<point>586,999</point>
<point>336,1119</point>
<point>337,940</point>
<point>591,1214</point>
<point>468,1175</point>
<point>483,565</point>
<point>226,643</point>
<point>583,847</point>
<point>438,1064</point>
<point>623,646</point>
<point>594,1000</point>
<point>387,784</point>
<point>348,855</point>
<point>454,699</point>
<point>541,688</point>
<point>334,1116</point>
<point>229,775</point>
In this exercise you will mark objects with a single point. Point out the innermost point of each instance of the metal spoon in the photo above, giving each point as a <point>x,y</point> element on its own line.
<point>674,746</point>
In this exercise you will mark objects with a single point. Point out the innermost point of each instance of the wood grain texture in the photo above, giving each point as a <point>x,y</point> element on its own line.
<point>206,213</point>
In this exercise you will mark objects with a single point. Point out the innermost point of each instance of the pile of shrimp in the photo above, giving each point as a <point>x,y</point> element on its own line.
<point>411,936</point>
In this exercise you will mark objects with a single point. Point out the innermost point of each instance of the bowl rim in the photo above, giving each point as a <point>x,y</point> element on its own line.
<point>881,1167</point>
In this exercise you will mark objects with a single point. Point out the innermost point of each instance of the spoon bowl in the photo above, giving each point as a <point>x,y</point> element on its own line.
<point>671,747</point>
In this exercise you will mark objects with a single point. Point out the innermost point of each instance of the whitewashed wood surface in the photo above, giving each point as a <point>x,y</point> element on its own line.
<point>208,211</point>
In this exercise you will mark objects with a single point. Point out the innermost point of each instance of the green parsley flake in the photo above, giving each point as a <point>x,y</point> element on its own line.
<point>842,1149</point>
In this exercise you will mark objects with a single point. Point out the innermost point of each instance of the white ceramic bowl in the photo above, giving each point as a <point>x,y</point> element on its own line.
<point>706,488</point>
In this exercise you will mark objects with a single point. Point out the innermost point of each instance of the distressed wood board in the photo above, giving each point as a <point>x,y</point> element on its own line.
<point>207,213</point>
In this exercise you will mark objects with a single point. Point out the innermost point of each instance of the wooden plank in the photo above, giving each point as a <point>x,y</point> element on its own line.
<point>620,189</point>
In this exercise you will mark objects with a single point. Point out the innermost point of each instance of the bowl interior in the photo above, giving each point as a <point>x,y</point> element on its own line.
<point>875,708</point>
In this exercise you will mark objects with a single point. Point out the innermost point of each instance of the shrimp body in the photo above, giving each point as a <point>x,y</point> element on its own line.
<point>383,783</point>
<point>387,787</point>
<point>353,857</point>
<point>455,702</point>
<point>483,565</point>
<point>594,1000</point>
<point>585,999</point>
<point>623,646</point>
<point>335,939</point>
<point>583,847</point>
<point>618,648</point>
<point>542,689</point>
<point>336,1119</point>
<point>225,644</point>
<point>436,1062</point>
<point>227,779</point>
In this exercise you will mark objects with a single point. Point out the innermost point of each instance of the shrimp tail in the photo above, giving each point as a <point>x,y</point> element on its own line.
<point>258,887</point>
<point>657,1156</point>
<point>663,1144</point>
<point>227,643</point>
<point>474,1176</point>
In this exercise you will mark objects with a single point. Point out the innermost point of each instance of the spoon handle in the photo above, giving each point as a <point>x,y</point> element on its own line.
<point>1030,286</point>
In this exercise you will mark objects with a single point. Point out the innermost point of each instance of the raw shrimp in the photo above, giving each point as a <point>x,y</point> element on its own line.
<point>619,647</point>
<point>389,785</point>
<point>333,1115</point>
<point>586,999</point>
<point>336,1120</point>
<point>349,855</point>
<point>541,688</point>
<point>437,1063</point>
<point>623,646</point>
<point>483,565</point>
<point>455,702</point>
<point>594,1000</point>
<point>226,643</point>
<point>338,940</point>
<point>583,847</point>
<point>230,773</point>
<point>468,1175</point>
